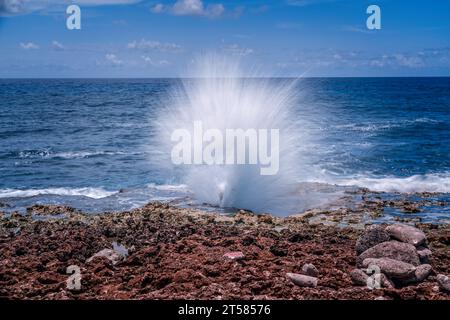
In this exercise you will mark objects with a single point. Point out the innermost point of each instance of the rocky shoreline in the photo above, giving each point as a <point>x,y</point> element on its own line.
<point>164,252</point>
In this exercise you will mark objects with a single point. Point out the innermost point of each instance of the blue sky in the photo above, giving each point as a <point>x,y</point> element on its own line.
<point>132,38</point>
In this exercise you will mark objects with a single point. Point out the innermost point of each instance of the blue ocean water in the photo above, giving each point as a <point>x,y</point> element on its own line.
<point>87,142</point>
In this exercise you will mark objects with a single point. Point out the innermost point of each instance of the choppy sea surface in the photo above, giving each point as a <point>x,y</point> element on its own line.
<point>87,143</point>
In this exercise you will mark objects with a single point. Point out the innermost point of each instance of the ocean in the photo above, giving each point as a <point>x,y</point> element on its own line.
<point>88,143</point>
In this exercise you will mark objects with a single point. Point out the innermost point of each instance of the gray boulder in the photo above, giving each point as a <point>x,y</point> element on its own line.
<point>392,268</point>
<point>444,282</point>
<point>422,272</point>
<point>359,277</point>
<point>406,234</point>
<point>396,250</point>
<point>310,270</point>
<point>424,254</point>
<point>109,254</point>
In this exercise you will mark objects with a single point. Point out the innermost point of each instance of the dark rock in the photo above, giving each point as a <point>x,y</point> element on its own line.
<point>394,250</point>
<point>406,234</point>
<point>302,280</point>
<point>248,240</point>
<point>392,268</point>
<point>48,279</point>
<point>424,254</point>
<point>385,282</point>
<point>373,235</point>
<point>278,251</point>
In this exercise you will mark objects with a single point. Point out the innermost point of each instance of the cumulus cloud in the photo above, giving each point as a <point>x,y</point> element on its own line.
<point>332,58</point>
<point>158,8</point>
<point>28,46</point>
<point>57,46</point>
<point>190,8</point>
<point>159,63</point>
<point>112,59</point>
<point>357,29</point>
<point>398,60</point>
<point>17,7</point>
<point>149,45</point>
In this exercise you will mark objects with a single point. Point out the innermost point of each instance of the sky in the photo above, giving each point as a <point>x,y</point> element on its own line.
<point>157,38</point>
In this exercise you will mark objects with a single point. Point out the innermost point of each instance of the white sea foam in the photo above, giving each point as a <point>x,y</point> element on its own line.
<point>168,187</point>
<point>95,193</point>
<point>416,183</point>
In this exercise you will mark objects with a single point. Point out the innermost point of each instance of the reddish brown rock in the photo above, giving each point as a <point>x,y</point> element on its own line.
<point>302,280</point>
<point>178,254</point>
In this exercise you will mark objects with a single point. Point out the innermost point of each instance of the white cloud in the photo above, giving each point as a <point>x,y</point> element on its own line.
<point>159,63</point>
<point>411,62</point>
<point>357,29</point>
<point>105,2</point>
<point>158,8</point>
<point>147,45</point>
<point>29,46</point>
<point>16,7</point>
<point>188,7</point>
<point>398,60</point>
<point>57,45</point>
<point>112,59</point>
<point>191,8</point>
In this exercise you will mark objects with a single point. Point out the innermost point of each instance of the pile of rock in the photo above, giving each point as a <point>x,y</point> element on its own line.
<point>400,252</point>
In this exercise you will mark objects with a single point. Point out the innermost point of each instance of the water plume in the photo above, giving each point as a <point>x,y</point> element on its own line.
<point>222,97</point>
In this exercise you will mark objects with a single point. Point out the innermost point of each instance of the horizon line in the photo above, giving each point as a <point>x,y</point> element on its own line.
<point>174,78</point>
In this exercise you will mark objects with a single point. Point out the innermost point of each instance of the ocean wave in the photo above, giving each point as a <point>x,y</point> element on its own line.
<point>373,127</point>
<point>416,183</point>
<point>95,193</point>
<point>47,154</point>
<point>168,187</point>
